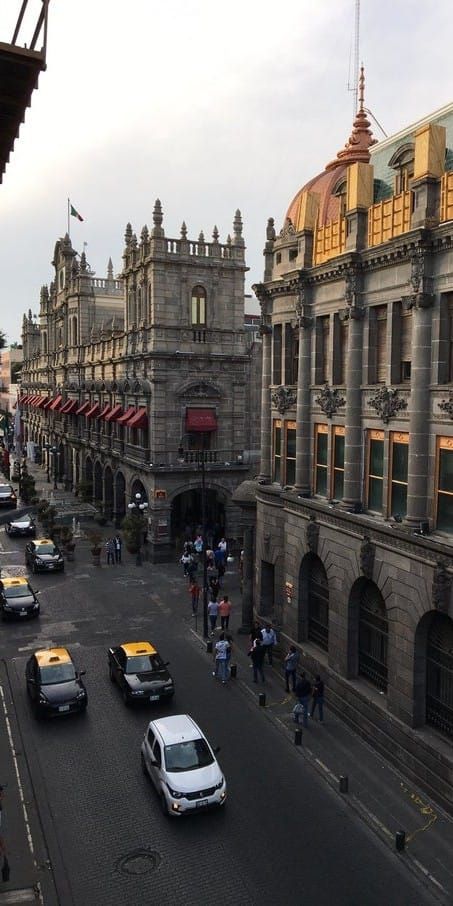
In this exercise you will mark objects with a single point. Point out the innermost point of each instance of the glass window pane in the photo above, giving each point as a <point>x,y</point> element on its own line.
<point>399,499</point>
<point>194,311</point>
<point>399,462</point>
<point>377,457</point>
<point>202,311</point>
<point>321,455</point>
<point>375,487</point>
<point>339,451</point>
<point>445,512</point>
<point>277,468</point>
<point>291,442</point>
<point>321,481</point>
<point>278,441</point>
<point>338,485</point>
<point>446,470</point>
<point>290,471</point>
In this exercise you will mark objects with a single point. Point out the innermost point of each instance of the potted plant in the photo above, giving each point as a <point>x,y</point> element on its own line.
<point>67,542</point>
<point>134,528</point>
<point>47,517</point>
<point>95,538</point>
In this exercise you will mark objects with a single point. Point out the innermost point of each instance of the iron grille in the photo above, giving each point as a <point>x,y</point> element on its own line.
<point>373,637</point>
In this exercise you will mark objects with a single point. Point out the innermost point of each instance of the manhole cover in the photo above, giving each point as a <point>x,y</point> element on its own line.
<point>139,862</point>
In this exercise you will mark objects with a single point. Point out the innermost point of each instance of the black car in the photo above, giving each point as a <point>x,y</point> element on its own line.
<point>42,555</point>
<point>54,685</point>
<point>140,673</point>
<point>8,497</point>
<point>22,525</point>
<point>17,599</point>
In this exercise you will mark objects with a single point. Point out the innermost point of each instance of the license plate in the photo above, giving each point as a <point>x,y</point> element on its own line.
<point>154,698</point>
<point>63,708</point>
<point>202,803</point>
<point>23,613</point>
<point>51,566</point>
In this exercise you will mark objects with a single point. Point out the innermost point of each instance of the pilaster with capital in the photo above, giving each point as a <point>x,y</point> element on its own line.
<point>266,422</point>
<point>303,425</point>
<point>353,414</point>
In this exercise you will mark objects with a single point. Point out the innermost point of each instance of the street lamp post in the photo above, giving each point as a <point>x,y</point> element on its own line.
<point>54,451</point>
<point>201,461</point>
<point>48,448</point>
<point>138,508</point>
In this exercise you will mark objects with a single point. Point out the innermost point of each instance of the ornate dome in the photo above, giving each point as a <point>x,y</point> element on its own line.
<point>327,183</point>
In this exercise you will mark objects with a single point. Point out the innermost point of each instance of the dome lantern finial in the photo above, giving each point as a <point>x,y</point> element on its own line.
<point>361,138</point>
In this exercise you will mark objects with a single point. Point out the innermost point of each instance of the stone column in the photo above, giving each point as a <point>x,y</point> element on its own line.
<point>353,433</point>
<point>417,485</point>
<point>266,423</point>
<point>303,423</point>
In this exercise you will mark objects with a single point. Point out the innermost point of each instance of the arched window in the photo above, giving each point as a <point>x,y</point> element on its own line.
<point>131,307</point>
<point>74,331</point>
<point>402,162</point>
<point>139,305</point>
<point>313,611</point>
<point>439,674</point>
<point>44,343</point>
<point>198,307</point>
<point>373,636</point>
<point>340,191</point>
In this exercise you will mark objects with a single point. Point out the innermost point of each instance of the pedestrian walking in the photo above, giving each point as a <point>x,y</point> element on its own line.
<point>221,658</point>
<point>303,692</point>
<point>194,592</point>
<point>215,587</point>
<point>291,664</point>
<point>268,639</point>
<point>192,567</point>
<point>210,563</point>
<point>110,550</point>
<point>198,545</point>
<point>213,612</point>
<point>318,698</point>
<point>118,545</point>
<point>255,634</point>
<point>184,561</point>
<point>257,655</point>
<point>225,611</point>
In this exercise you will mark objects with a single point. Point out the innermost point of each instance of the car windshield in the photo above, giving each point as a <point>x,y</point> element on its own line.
<point>188,756</point>
<point>46,549</point>
<point>144,663</point>
<point>5,491</point>
<point>17,591</point>
<point>58,673</point>
<point>22,519</point>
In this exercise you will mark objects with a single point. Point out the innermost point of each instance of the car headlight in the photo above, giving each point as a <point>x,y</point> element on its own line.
<point>39,560</point>
<point>220,784</point>
<point>42,697</point>
<point>36,605</point>
<point>169,685</point>
<point>137,692</point>
<point>175,793</point>
<point>81,694</point>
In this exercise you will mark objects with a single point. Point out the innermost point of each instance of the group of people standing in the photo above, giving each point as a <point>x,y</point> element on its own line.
<point>113,549</point>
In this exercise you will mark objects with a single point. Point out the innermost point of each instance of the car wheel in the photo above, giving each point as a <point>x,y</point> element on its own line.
<point>111,675</point>
<point>143,763</point>
<point>8,529</point>
<point>126,698</point>
<point>163,805</point>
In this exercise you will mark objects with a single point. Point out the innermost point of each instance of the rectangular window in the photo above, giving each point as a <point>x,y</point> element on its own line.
<point>290,453</point>
<point>277,354</point>
<point>381,343</point>
<point>406,345</point>
<point>375,471</point>
<point>277,450</point>
<point>399,450</point>
<point>321,460</point>
<point>450,339</point>
<point>288,353</point>
<point>338,463</point>
<point>445,485</point>
<point>325,329</point>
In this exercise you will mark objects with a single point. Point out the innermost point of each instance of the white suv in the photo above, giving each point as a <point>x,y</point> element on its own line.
<point>182,765</point>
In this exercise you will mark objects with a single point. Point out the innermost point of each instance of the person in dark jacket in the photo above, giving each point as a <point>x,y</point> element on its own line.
<point>257,655</point>
<point>291,664</point>
<point>318,698</point>
<point>303,692</point>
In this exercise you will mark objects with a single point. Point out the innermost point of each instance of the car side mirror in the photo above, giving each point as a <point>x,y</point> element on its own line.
<point>82,672</point>
<point>36,593</point>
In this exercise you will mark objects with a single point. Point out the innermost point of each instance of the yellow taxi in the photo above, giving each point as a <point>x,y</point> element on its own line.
<point>54,684</point>
<point>140,672</point>
<point>17,599</point>
<point>43,555</point>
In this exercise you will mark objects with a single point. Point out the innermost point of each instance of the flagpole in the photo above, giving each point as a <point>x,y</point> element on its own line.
<point>69,233</point>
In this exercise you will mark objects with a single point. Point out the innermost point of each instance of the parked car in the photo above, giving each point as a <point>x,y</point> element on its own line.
<point>42,555</point>
<point>17,598</point>
<point>8,497</point>
<point>22,525</point>
<point>182,766</point>
<point>54,684</point>
<point>140,672</point>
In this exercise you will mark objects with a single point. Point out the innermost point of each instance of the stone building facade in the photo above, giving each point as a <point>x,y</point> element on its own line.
<point>148,383</point>
<point>354,503</point>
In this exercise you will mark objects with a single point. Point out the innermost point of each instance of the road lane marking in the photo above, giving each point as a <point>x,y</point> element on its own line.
<point>424,810</point>
<point>16,768</point>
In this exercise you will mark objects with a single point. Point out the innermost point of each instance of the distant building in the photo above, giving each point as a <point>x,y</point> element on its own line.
<point>354,505</point>
<point>10,368</point>
<point>145,382</point>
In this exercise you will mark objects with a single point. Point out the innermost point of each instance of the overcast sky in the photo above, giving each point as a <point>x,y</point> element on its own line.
<point>209,106</point>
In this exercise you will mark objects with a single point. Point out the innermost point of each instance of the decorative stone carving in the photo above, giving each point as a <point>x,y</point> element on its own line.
<point>288,229</point>
<point>350,285</point>
<point>303,319</point>
<point>386,403</point>
<point>330,400</point>
<point>417,260</point>
<point>367,552</point>
<point>312,535</point>
<point>447,406</point>
<point>283,398</point>
<point>441,586</point>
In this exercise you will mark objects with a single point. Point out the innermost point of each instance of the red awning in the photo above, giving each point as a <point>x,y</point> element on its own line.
<point>139,420</point>
<point>105,411</point>
<point>48,402</point>
<point>114,414</point>
<point>22,399</point>
<point>127,415</point>
<point>41,402</point>
<point>200,420</point>
<point>56,403</point>
<point>31,399</point>
<point>93,412</point>
<point>70,407</point>
<point>83,409</point>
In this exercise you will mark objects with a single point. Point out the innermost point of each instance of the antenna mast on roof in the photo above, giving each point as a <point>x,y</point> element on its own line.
<point>355,75</point>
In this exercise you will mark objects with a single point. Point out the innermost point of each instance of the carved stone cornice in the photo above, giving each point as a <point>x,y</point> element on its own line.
<point>367,552</point>
<point>447,405</point>
<point>386,403</point>
<point>329,400</point>
<point>283,398</point>
<point>312,535</point>
<point>441,587</point>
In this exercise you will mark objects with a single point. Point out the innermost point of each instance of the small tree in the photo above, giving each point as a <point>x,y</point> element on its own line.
<point>27,487</point>
<point>134,527</point>
<point>47,516</point>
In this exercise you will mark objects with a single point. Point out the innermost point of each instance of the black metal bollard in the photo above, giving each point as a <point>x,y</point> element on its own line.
<point>233,671</point>
<point>400,841</point>
<point>298,737</point>
<point>209,647</point>
<point>262,699</point>
<point>344,784</point>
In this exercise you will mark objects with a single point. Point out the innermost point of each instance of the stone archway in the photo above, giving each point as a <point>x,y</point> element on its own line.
<point>98,494</point>
<point>433,672</point>
<point>137,487</point>
<point>186,514</point>
<point>313,604</point>
<point>108,492</point>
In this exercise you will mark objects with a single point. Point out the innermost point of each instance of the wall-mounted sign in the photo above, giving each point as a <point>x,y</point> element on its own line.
<point>160,494</point>
<point>289,588</point>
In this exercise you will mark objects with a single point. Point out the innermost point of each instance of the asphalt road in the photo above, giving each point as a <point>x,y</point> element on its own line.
<point>284,837</point>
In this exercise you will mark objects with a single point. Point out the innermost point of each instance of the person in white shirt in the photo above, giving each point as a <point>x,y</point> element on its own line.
<point>221,658</point>
<point>269,639</point>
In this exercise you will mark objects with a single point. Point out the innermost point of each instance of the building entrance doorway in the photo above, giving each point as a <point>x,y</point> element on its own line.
<point>186,516</point>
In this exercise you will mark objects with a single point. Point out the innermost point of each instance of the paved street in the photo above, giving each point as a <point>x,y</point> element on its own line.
<point>284,836</point>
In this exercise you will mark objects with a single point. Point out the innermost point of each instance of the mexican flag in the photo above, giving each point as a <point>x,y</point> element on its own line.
<point>75,213</point>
